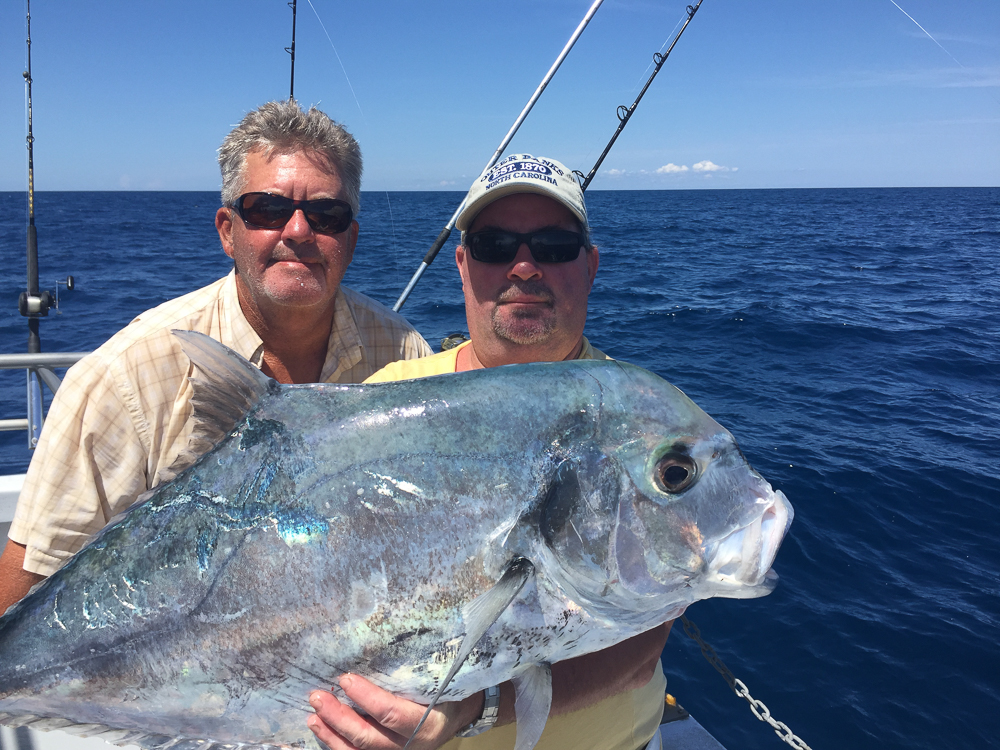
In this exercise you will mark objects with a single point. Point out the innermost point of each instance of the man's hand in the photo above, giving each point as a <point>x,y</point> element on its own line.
<point>576,684</point>
<point>390,720</point>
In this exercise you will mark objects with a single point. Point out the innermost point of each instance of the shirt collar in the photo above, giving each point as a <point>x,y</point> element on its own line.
<point>344,349</point>
<point>238,334</point>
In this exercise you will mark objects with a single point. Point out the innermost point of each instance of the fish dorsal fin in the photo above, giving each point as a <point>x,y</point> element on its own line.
<point>225,387</point>
<point>146,740</point>
<point>479,616</point>
<point>532,701</point>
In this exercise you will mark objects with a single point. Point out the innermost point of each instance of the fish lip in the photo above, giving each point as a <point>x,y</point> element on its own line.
<point>745,555</point>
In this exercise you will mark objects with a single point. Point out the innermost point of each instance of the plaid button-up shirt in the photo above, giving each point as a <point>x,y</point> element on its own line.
<point>122,415</point>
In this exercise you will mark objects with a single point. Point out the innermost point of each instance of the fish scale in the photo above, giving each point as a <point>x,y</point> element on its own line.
<point>437,536</point>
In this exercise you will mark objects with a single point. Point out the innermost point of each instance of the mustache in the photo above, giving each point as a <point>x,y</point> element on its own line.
<point>528,287</point>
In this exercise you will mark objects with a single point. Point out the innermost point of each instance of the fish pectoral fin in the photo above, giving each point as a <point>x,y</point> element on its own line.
<point>532,701</point>
<point>479,615</point>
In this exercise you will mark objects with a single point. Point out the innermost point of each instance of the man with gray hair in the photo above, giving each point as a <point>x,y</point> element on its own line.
<point>120,425</point>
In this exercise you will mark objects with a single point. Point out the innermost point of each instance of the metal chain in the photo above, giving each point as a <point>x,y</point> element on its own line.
<point>758,708</point>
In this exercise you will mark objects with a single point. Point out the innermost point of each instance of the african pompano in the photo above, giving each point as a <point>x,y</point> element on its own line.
<point>497,521</point>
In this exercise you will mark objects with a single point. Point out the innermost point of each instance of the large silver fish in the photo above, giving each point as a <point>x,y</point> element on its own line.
<point>492,523</point>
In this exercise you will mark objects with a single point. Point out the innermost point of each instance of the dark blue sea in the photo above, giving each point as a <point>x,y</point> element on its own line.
<point>850,339</point>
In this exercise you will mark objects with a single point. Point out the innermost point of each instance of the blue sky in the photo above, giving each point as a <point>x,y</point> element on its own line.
<point>138,94</point>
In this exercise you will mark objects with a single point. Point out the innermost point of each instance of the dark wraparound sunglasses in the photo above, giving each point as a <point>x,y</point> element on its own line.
<point>270,211</point>
<point>546,245</point>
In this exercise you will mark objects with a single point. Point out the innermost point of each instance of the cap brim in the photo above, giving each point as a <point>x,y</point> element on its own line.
<point>472,210</point>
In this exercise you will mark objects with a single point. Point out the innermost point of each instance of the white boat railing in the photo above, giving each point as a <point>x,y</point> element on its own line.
<point>41,366</point>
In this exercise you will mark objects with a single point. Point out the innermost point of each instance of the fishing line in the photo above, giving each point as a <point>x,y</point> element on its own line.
<point>392,224</point>
<point>666,41</point>
<point>967,71</point>
<point>392,230</point>
<point>928,35</point>
<point>346,77</point>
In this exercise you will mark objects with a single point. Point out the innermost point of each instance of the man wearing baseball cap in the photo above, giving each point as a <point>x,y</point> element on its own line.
<point>527,267</point>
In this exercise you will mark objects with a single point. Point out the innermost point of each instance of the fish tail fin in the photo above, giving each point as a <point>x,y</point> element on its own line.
<point>226,387</point>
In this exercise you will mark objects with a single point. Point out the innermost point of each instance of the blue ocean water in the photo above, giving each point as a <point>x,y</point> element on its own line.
<point>850,339</point>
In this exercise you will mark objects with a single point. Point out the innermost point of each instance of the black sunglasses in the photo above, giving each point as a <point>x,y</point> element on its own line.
<point>546,245</point>
<point>270,211</point>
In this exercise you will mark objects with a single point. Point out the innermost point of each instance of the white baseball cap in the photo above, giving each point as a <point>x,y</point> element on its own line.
<point>524,173</point>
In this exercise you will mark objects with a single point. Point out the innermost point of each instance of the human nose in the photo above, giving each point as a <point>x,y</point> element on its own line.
<point>298,228</point>
<point>524,266</point>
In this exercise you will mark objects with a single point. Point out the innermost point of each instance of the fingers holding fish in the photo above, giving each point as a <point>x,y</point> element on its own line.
<point>390,720</point>
<point>340,727</point>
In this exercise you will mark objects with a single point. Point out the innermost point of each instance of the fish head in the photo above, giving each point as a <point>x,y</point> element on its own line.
<point>698,518</point>
<point>665,511</point>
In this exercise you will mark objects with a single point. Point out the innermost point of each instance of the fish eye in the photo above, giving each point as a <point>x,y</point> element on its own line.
<point>675,472</point>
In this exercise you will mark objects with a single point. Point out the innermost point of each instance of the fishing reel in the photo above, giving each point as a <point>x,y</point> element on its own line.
<point>38,306</point>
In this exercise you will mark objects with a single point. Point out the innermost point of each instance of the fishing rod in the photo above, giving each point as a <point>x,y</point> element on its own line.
<point>291,51</point>
<point>31,303</point>
<point>625,113</point>
<point>446,232</point>
<point>34,304</point>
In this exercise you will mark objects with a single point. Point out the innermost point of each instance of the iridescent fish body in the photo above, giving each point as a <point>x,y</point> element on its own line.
<point>381,529</point>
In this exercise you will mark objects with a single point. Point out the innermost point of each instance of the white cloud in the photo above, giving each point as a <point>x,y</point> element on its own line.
<point>672,168</point>
<point>616,172</point>
<point>707,166</point>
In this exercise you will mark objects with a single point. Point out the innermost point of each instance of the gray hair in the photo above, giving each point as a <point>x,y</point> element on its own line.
<point>282,127</point>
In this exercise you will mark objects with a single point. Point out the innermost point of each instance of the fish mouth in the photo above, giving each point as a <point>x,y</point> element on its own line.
<point>739,564</point>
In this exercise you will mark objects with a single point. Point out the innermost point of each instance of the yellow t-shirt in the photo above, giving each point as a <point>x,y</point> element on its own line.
<point>447,361</point>
<point>626,721</point>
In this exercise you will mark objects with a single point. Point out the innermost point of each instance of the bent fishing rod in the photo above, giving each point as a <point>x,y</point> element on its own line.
<point>624,114</point>
<point>446,232</point>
